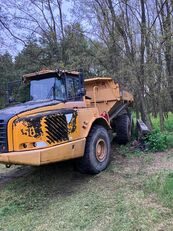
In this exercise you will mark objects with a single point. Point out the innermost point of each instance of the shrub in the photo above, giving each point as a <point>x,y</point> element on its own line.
<point>156,141</point>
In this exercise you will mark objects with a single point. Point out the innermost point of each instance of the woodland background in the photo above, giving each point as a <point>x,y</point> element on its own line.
<point>130,40</point>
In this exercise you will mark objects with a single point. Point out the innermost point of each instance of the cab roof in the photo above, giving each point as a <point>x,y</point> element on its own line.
<point>97,79</point>
<point>47,72</point>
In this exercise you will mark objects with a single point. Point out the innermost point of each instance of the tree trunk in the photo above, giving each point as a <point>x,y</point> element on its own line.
<point>161,117</point>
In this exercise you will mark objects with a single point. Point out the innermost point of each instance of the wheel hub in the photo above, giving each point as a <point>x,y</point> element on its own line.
<point>100,150</point>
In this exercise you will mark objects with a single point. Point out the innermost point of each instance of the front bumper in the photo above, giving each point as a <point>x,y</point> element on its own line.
<point>53,154</point>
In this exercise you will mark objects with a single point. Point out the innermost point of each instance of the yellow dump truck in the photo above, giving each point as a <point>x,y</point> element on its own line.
<point>66,118</point>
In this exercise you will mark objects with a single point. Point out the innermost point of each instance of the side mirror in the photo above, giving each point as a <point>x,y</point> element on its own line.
<point>81,92</point>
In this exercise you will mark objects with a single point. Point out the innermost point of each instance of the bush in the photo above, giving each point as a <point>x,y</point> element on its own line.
<point>157,141</point>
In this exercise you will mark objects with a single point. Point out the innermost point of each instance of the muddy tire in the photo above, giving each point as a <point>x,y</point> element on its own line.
<point>123,129</point>
<point>97,152</point>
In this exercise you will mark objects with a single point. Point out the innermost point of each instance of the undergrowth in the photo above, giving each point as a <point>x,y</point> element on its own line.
<point>156,141</point>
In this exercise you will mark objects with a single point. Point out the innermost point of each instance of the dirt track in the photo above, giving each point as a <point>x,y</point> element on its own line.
<point>9,174</point>
<point>160,161</point>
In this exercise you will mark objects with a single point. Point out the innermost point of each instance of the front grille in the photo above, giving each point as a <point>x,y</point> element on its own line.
<point>57,130</point>
<point>3,136</point>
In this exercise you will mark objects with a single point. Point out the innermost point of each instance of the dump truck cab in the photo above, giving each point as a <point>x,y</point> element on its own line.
<point>62,120</point>
<point>51,85</point>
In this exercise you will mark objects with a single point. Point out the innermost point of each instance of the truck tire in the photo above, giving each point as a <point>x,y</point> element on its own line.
<point>123,129</point>
<point>97,152</point>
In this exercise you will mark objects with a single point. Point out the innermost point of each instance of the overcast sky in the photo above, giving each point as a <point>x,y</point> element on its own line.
<point>13,46</point>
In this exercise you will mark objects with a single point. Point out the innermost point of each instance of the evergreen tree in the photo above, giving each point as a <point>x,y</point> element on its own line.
<point>30,59</point>
<point>76,51</point>
<point>7,75</point>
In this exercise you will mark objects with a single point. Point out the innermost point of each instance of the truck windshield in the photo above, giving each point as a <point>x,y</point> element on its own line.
<point>47,89</point>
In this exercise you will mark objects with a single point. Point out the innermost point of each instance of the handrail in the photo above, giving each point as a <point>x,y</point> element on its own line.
<point>94,95</point>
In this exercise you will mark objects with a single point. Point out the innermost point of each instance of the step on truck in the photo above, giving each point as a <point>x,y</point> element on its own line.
<point>65,118</point>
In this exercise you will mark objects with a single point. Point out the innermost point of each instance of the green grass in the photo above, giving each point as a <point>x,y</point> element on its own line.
<point>128,151</point>
<point>168,128</point>
<point>57,198</point>
<point>169,136</point>
<point>162,185</point>
<point>168,122</point>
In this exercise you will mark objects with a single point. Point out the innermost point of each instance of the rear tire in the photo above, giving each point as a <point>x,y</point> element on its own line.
<point>97,152</point>
<point>123,129</point>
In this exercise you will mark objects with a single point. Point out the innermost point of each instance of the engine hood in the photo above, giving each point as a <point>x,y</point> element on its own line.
<point>19,108</point>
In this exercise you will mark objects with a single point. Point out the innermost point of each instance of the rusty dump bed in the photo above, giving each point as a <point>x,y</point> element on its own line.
<point>105,94</point>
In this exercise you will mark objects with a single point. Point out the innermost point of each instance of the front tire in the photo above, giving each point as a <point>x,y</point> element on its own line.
<point>97,151</point>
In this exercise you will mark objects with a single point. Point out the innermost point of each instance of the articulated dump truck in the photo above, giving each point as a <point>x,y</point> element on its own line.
<point>66,118</point>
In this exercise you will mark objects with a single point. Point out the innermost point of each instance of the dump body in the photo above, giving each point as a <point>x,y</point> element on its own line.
<point>106,95</point>
<point>56,129</point>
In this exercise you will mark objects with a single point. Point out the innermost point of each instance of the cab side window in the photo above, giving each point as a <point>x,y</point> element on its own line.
<point>72,85</point>
<point>59,90</point>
